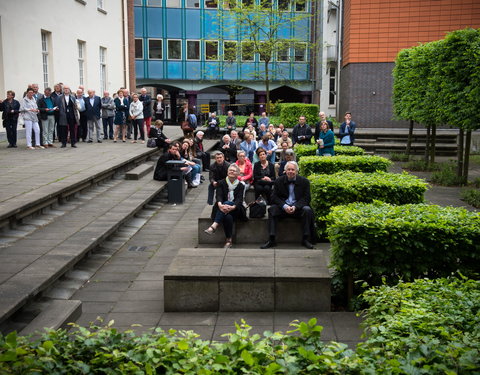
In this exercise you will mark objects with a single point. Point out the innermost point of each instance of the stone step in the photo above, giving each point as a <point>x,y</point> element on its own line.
<point>253,231</point>
<point>138,172</point>
<point>56,315</point>
<point>239,279</point>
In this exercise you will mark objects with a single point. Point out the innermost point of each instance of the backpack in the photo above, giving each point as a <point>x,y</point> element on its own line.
<point>192,121</point>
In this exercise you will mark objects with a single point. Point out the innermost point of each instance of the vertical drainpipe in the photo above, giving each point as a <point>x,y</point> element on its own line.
<point>124,43</point>
<point>339,53</point>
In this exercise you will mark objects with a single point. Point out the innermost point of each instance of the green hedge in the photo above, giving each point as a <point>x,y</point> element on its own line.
<point>381,241</point>
<point>426,327</point>
<point>347,187</point>
<point>310,150</point>
<point>290,112</point>
<point>329,165</point>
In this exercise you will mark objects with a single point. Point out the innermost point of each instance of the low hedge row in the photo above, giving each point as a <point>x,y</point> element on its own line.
<point>290,112</point>
<point>379,241</point>
<point>426,327</point>
<point>347,187</point>
<point>310,150</point>
<point>329,165</point>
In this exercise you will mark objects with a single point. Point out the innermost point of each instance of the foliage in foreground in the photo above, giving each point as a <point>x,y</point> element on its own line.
<point>310,150</point>
<point>425,327</point>
<point>328,165</point>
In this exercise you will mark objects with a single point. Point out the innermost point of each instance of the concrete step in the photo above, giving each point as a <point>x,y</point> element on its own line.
<point>138,172</point>
<point>248,280</point>
<point>32,264</point>
<point>56,315</point>
<point>253,231</point>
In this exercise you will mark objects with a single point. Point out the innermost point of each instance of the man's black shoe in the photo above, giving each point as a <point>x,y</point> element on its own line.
<point>74,146</point>
<point>99,141</point>
<point>307,244</point>
<point>63,146</point>
<point>269,244</point>
<point>89,141</point>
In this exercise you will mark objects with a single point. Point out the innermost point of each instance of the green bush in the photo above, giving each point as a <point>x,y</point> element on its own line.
<point>472,197</point>
<point>329,165</point>
<point>395,156</point>
<point>379,240</point>
<point>446,176</point>
<point>290,112</point>
<point>310,150</point>
<point>347,187</point>
<point>424,327</point>
<point>421,166</point>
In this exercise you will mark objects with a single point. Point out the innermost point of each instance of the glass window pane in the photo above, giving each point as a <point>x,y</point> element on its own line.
<point>283,52</point>
<point>155,49</point>
<point>300,5</point>
<point>211,4</point>
<point>211,50</point>
<point>154,3</point>
<point>139,48</point>
<point>193,50</point>
<point>230,51</point>
<point>265,52</point>
<point>247,51</point>
<point>266,4</point>
<point>173,3</point>
<point>300,52</point>
<point>283,4</point>
<point>192,3</point>
<point>247,3</point>
<point>137,2</point>
<point>174,50</point>
<point>229,4</point>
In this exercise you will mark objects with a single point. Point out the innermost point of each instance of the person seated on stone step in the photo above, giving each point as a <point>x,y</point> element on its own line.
<point>161,140</point>
<point>187,153</point>
<point>200,150</point>
<point>288,156</point>
<point>228,205</point>
<point>218,172</point>
<point>228,148</point>
<point>263,176</point>
<point>161,169</point>
<point>290,198</point>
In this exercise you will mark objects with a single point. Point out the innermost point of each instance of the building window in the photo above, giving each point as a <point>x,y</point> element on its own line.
<point>139,48</point>
<point>266,4</point>
<point>300,5</point>
<point>247,51</point>
<point>283,52</point>
<point>300,52</point>
<point>81,62</point>
<point>211,4</point>
<point>138,3</point>
<point>229,4</point>
<point>154,3</point>
<point>173,3</point>
<point>192,3</point>
<point>283,4</point>
<point>331,86</point>
<point>230,51</point>
<point>211,50</point>
<point>100,4</point>
<point>247,3</point>
<point>264,52</point>
<point>45,56</point>
<point>155,49</point>
<point>193,50</point>
<point>174,48</point>
<point>103,68</point>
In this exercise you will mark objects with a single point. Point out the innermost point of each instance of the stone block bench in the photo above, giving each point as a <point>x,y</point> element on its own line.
<point>248,280</point>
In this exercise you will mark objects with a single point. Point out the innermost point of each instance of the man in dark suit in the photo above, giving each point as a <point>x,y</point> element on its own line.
<point>147,108</point>
<point>93,106</point>
<point>302,133</point>
<point>229,149</point>
<point>290,198</point>
<point>68,117</point>
<point>218,172</point>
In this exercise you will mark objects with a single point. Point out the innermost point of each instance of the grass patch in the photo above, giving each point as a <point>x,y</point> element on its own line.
<point>446,176</point>
<point>421,166</point>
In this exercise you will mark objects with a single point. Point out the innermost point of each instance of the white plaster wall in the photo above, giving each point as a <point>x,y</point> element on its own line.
<point>21,23</point>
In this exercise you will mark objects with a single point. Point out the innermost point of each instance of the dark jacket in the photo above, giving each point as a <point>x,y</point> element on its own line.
<point>230,152</point>
<point>159,137</point>
<point>160,173</point>
<point>42,107</point>
<point>254,123</point>
<point>7,108</point>
<point>93,111</point>
<point>222,196</point>
<point>231,123</point>
<point>159,116</point>
<point>351,131</point>
<point>301,190</point>
<point>218,172</point>
<point>147,105</point>
<point>121,111</point>
<point>64,116</point>
<point>304,131</point>
<point>257,172</point>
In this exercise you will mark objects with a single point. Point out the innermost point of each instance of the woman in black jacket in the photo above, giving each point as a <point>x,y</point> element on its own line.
<point>156,132</point>
<point>263,175</point>
<point>229,204</point>
<point>11,109</point>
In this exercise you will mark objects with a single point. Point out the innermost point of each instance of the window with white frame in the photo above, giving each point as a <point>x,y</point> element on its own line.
<point>139,48</point>
<point>230,50</point>
<point>331,86</point>
<point>103,68</point>
<point>247,51</point>
<point>173,3</point>
<point>211,50</point>
<point>155,51</point>
<point>45,57</point>
<point>283,4</point>
<point>300,5</point>
<point>154,3</point>
<point>193,50</point>
<point>211,4</point>
<point>283,52</point>
<point>138,3</point>
<point>192,3</point>
<point>81,62</point>
<point>300,52</point>
<point>174,49</point>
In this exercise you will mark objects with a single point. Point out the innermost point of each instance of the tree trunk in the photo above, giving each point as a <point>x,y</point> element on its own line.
<point>466,159</point>
<point>410,136</point>
<point>427,145</point>
<point>460,154</point>
<point>432,145</point>
<point>267,88</point>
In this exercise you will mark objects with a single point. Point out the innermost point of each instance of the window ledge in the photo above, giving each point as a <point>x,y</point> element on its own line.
<point>101,10</point>
<point>83,2</point>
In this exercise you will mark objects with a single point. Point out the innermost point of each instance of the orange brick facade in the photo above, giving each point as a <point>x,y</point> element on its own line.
<point>376,30</point>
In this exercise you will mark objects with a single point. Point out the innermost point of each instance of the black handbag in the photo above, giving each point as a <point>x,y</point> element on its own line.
<point>258,209</point>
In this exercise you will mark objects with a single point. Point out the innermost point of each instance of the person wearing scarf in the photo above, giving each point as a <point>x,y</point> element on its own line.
<point>229,204</point>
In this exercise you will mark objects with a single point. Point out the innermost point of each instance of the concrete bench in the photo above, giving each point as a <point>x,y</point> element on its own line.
<point>253,231</point>
<point>248,280</point>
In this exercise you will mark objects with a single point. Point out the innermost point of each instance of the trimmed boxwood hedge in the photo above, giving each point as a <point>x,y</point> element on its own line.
<point>425,327</point>
<point>379,241</point>
<point>347,187</point>
<point>310,150</point>
<point>329,165</point>
<point>290,112</point>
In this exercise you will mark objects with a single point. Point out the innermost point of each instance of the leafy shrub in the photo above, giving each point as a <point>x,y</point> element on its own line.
<point>472,197</point>
<point>329,165</point>
<point>290,112</point>
<point>310,150</point>
<point>379,240</point>
<point>421,166</point>
<point>476,182</point>
<point>395,156</point>
<point>424,327</point>
<point>446,176</point>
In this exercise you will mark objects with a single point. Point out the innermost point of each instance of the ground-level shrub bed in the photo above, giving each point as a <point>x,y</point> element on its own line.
<point>425,327</point>
<point>378,241</point>
<point>310,150</point>
<point>472,197</point>
<point>329,165</point>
